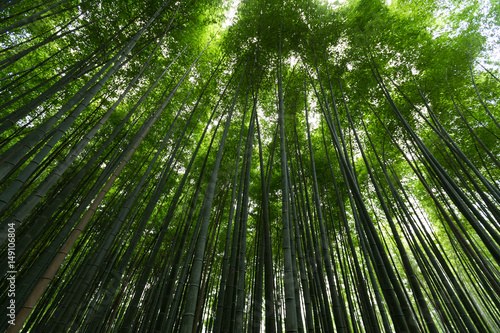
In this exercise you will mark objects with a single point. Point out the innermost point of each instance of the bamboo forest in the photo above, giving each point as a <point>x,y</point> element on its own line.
<point>250,166</point>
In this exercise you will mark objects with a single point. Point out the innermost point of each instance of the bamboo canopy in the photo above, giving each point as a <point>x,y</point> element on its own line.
<point>247,166</point>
